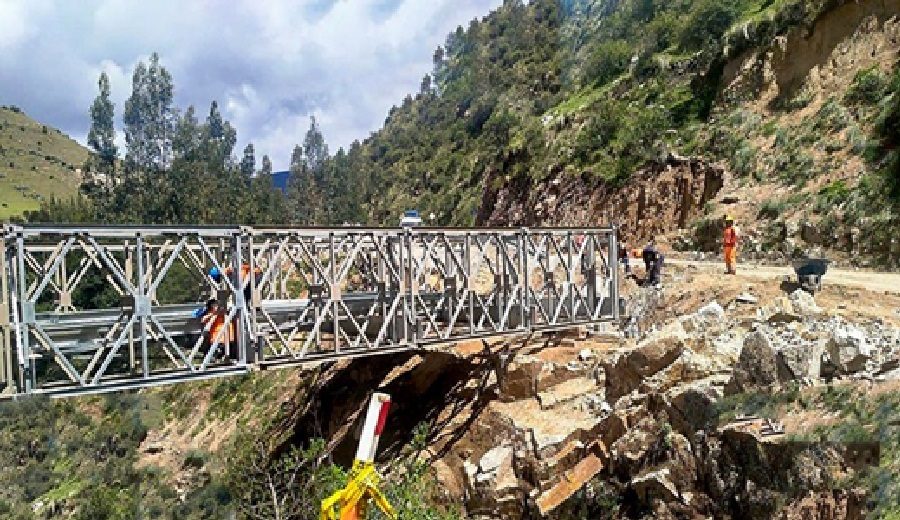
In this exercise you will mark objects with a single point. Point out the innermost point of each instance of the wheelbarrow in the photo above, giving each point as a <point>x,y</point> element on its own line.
<point>809,273</point>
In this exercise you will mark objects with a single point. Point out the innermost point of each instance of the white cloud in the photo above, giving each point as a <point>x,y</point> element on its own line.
<point>269,64</point>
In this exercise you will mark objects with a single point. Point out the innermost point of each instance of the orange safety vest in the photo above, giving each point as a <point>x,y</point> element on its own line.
<point>218,322</point>
<point>730,238</point>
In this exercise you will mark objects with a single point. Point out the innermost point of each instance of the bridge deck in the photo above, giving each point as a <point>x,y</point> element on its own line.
<point>95,309</point>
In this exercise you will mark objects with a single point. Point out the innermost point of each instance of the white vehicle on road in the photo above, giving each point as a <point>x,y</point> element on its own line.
<point>411,218</point>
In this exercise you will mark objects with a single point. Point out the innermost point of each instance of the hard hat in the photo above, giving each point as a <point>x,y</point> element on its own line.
<point>215,274</point>
<point>729,217</point>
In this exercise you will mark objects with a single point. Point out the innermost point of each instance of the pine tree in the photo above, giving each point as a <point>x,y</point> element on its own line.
<point>266,166</point>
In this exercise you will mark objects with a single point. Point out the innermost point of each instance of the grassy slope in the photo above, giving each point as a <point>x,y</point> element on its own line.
<point>36,162</point>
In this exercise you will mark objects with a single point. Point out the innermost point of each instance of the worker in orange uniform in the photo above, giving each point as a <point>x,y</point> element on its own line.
<point>730,243</point>
<point>216,275</point>
<point>213,321</point>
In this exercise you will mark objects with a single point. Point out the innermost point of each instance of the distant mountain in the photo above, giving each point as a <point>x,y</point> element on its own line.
<point>37,162</point>
<point>280,180</point>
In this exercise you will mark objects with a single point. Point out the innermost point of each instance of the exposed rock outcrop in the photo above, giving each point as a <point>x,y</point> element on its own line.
<point>662,197</point>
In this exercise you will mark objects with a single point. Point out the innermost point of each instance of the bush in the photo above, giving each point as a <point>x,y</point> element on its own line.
<point>869,87</point>
<point>607,61</point>
<point>744,159</point>
<point>195,459</point>
<point>832,117</point>
<point>771,209</point>
<point>707,22</point>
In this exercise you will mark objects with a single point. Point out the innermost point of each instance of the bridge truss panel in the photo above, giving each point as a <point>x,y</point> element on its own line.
<point>96,309</point>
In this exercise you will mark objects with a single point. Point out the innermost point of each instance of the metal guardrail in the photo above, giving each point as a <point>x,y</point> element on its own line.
<point>94,309</point>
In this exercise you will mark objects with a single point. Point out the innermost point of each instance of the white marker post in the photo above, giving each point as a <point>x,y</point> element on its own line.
<point>376,416</point>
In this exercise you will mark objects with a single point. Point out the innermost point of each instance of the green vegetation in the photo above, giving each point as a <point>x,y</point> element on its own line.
<point>535,90</point>
<point>869,87</point>
<point>858,417</point>
<point>37,163</point>
<point>78,458</point>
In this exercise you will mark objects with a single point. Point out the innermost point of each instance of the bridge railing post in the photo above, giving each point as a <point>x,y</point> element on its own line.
<point>613,261</point>
<point>412,289</point>
<point>254,351</point>
<point>142,305</point>
<point>240,303</point>
<point>6,343</point>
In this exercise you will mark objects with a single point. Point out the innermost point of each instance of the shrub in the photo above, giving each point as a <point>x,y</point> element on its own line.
<point>832,117</point>
<point>868,87</point>
<point>744,159</point>
<point>706,22</point>
<point>607,61</point>
<point>771,209</point>
<point>835,193</point>
<point>800,99</point>
<point>195,459</point>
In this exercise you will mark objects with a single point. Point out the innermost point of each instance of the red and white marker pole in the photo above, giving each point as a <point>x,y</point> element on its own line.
<point>376,416</point>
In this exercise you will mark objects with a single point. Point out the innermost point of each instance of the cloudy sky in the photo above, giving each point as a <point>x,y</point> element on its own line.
<point>269,63</point>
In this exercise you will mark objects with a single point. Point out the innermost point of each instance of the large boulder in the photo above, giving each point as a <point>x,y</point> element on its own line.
<point>848,348</point>
<point>692,407</point>
<point>803,303</point>
<point>492,483</point>
<point>711,315</point>
<point>757,365</point>
<point>802,360</point>
<point>626,372</point>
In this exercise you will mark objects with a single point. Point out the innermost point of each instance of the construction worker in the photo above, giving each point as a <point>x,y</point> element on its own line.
<point>730,242</point>
<point>653,263</point>
<point>213,321</point>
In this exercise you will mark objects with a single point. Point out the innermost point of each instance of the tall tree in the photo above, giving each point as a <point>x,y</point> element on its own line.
<point>303,194</point>
<point>248,162</point>
<point>100,167</point>
<point>149,117</point>
<point>315,151</point>
<point>102,135</point>
<point>187,136</point>
<point>219,138</point>
<point>266,166</point>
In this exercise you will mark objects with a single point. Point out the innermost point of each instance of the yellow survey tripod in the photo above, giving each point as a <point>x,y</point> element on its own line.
<point>351,502</point>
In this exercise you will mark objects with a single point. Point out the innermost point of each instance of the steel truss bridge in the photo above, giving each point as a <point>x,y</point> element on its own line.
<point>104,308</point>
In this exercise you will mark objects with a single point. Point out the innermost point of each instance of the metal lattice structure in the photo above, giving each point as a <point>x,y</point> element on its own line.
<point>96,309</point>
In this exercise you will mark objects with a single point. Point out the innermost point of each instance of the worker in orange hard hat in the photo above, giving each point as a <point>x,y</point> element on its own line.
<point>730,243</point>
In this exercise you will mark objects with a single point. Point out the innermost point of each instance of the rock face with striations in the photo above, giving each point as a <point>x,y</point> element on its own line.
<point>662,197</point>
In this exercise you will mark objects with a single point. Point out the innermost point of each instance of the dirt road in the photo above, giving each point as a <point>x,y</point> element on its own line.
<point>872,281</point>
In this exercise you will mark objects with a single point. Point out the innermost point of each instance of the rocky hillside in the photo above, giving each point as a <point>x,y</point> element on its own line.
<point>570,112</point>
<point>37,163</point>
<point>736,400</point>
